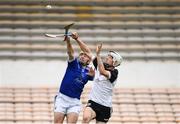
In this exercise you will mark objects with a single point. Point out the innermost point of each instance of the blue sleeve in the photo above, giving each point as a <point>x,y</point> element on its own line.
<point>73,63</point>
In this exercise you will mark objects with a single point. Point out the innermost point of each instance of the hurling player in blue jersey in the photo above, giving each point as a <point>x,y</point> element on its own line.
<point>67,102</point>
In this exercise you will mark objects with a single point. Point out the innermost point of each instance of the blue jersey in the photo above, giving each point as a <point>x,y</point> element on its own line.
<point>74,79</point>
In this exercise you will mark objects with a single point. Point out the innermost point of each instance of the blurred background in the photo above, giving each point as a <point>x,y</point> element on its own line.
<point>145,32</point>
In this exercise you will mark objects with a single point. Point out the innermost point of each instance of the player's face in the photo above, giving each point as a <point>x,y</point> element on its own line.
<point>109,60</point>
<point>84,59</point>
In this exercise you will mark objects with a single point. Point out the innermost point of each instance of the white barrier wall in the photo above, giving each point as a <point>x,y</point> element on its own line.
<point>50,73</point>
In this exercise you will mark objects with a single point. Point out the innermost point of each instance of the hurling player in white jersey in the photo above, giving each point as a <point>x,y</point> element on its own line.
<point>99,106</point>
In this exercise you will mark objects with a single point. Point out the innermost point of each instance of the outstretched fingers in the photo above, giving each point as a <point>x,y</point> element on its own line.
<point>98,48</point>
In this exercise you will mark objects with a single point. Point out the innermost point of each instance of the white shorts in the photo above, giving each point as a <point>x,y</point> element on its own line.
<point>65,104</point>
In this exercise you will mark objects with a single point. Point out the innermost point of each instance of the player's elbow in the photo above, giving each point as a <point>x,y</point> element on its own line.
<point>70,53</point>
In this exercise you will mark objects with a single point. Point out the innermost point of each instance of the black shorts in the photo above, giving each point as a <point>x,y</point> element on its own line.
<point>103,113</point>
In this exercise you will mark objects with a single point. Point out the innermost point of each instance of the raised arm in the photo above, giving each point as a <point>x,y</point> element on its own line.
<point>70,50</point>
<point>100,63</point>
<point>81,44</point>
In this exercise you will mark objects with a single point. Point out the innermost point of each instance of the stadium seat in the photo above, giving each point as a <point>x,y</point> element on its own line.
<point>132,105</point>
<point>134,26</point>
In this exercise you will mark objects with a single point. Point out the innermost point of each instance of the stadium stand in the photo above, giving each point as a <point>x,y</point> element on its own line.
<point>138,29</point>
<point>130,106</point>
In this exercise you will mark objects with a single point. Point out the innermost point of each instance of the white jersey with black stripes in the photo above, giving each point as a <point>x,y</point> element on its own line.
<point>102,88</point>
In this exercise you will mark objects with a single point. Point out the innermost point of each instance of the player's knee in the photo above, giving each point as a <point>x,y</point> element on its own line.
<point>86,118</point>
